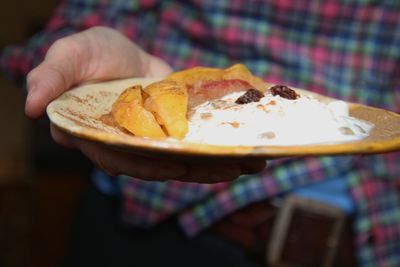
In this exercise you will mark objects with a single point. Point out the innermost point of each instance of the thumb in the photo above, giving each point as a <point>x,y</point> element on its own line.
<point>44,84</point>
<point>96,54</point>
<point>57,73</point>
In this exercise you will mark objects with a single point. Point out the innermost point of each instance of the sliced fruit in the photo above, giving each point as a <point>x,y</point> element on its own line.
<point>216,89</point>
<point>129,113</point>
<point>241,72</point>
<point>168,101</point>
<point>195,75</point>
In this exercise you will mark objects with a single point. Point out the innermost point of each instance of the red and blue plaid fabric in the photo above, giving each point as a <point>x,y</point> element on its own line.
<point>349,49</point>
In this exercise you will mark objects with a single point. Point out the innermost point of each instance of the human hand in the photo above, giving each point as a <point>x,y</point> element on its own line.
<point>96,54</point>
<point>99,54</point>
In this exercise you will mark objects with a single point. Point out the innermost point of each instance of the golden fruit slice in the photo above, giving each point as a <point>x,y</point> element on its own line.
<point>129,113</point>
<point>195,75</point>
<point>215,90</point>
<point>241,72</point>
<point>168,101</point>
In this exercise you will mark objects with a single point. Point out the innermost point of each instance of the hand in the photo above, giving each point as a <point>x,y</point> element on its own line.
<point>99,54</point>
<point>96,54</point>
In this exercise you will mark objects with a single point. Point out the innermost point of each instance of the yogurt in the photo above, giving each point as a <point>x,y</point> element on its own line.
<point>274,120</point>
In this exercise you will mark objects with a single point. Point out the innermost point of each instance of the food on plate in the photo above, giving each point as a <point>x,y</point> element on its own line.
<point>279,116</point>
<point>168,102</point>
<point>211,83</point>
<point>233,107</point>
<point>129,113</point>
<point>197,75</point>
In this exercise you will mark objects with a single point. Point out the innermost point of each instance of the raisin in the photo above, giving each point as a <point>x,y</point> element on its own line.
<point>284,91</point>
<point>252,95</point>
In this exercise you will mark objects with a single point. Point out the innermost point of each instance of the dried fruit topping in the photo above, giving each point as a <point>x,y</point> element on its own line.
<point>284,91</point>
<point>252,95</point>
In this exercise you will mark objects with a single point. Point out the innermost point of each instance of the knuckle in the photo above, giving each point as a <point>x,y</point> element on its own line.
<point>98,160</point>
<point>71,47</point>
<point>103,165</point>
<point>97,157</point>
<point>101,29</point>
<point>66,44</point>
<point>31,75</point>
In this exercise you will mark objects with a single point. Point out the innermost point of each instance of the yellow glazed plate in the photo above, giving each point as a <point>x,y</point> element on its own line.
<point>82,111</point>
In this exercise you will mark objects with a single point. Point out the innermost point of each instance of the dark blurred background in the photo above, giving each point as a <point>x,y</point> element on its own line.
<point>39,181</point>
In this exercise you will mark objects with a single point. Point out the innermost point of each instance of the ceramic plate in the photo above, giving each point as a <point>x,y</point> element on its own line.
<point>82,112</point>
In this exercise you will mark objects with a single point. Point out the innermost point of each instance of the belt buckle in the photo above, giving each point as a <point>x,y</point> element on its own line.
<point>282,223</point>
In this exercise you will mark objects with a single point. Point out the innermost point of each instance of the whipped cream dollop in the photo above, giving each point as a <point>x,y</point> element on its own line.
<point>274,120</point>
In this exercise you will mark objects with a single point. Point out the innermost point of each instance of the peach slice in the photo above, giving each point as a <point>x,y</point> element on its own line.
<point>194,75</point>
<point>215,89</point>
<point>168,101</point>
<point>129,113</point>
<point>241,72</point>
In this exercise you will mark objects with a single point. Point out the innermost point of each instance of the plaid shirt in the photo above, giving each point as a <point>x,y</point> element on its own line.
<point>349,49</point>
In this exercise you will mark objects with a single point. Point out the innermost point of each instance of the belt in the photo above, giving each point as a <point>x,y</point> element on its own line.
<point>297,232</point>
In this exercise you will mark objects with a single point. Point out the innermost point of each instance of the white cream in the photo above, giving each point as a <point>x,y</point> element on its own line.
<point>274,121</point>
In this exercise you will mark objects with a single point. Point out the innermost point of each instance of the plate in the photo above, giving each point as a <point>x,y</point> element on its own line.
<point>82,112</point>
